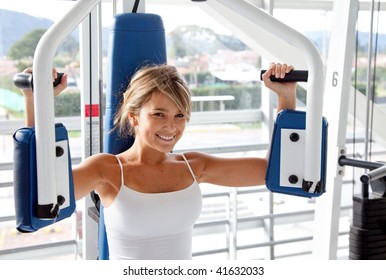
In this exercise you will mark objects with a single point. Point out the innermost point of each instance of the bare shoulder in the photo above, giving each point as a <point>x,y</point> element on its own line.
<point>98,172</point>
<point>199,156</point>
<point>98,165</point>
<point>198,161</point>
<point>100,160</point>
<point>205,161</point>
<point>196,156</point>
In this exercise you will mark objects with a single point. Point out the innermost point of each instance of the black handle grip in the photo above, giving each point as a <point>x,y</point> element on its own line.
<point>25,80</point>
<point>293,76</point>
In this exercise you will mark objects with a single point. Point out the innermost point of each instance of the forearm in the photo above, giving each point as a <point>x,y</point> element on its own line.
<point>287,101</point>
<point>286,92</point>
<point>29,97</point>
<point>29,110</point>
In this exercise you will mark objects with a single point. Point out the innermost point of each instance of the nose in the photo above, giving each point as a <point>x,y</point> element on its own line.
<point>170,124</point>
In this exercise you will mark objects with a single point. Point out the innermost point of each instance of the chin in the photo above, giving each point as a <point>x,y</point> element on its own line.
<point>164,149</point>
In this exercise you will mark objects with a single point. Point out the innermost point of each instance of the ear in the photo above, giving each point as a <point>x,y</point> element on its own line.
<point>133,119</point>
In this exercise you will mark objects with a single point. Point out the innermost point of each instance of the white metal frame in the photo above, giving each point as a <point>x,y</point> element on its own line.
<point>338,83</point>
<point>91,128</point>
<point>44,98</point>
<point>244,16</point>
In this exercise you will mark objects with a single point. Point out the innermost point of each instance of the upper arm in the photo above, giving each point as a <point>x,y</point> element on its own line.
<point>232,172</point>
<point>89,175</point>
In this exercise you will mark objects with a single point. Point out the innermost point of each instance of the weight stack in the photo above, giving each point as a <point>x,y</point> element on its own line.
<point>367,238</point>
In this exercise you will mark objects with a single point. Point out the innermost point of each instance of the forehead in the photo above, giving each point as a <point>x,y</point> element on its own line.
<point>159,100</point>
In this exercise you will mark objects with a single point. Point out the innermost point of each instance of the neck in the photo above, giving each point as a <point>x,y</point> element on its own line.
<point>145,154</point>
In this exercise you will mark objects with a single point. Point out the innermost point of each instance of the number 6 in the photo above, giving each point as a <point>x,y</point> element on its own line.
<point>334,79</point>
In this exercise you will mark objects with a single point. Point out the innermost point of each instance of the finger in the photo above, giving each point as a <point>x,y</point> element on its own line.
<point>279,70</point>
<point>28,70</point>
<point>54,74</point>
<point>272,69</point>
<point>63,84</point>
<point>276,70</point>
<point>288,68</point>
<point>268,73</point>
<point>285,69</point>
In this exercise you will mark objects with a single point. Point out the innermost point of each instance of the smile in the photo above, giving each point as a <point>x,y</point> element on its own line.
<point>166,138</point>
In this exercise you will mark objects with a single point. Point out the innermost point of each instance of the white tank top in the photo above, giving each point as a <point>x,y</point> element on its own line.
<point>152,226</point>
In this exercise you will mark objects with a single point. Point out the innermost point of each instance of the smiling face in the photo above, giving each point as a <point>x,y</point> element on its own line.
<point>159,124</point>
<point>149,80</point>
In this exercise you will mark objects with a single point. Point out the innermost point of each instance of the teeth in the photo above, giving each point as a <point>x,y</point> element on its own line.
<point>166,137</point>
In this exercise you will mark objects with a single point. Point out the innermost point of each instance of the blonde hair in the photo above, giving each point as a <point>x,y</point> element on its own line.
<point>164,79</point>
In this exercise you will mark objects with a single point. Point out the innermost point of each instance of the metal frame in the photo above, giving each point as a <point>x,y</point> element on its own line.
<point>337,88</point>
<point>91,112</point>
<point>244,17</point>
<point>44,99</point>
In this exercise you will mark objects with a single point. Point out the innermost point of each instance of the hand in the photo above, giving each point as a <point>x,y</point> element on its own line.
<point>27,92</point>
<point>29,100</point>
<point>63,82</point>
<point>286,92</point>
<point>57,89</point>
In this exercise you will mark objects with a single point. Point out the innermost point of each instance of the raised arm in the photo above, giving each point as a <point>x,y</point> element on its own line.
<point>237,172</point>
<point>286,92</point>
<point>29,98</point>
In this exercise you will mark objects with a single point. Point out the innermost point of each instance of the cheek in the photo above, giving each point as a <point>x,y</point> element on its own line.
<point>181,125</point>
<point>149,125</point>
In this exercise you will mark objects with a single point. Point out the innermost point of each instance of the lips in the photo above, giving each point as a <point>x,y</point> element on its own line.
<point>166,138</point>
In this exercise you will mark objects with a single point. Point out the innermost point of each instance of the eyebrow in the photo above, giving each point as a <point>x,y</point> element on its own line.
<point>160,109</point>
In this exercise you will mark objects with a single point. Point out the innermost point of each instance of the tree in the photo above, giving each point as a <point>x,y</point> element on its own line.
<point>177,44</point>
<point>25,47</point>
<point>23,50</point>
<point>193,40</point>
<point>69,46</point>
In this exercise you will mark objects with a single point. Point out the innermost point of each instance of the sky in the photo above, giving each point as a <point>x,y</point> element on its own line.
<point>172,16</point>
<point>175,16</point>
<point>57,9</point>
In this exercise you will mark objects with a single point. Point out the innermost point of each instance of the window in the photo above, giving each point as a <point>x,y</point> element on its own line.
<point>223,72</point>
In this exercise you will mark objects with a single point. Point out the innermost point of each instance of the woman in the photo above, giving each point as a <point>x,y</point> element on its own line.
<point>151,197</point>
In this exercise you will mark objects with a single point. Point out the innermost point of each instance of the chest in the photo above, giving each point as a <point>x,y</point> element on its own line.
<point>167,177</point>
<point>153,214</point>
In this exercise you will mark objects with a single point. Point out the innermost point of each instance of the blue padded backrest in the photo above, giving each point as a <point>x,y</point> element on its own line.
<point>135,40</point>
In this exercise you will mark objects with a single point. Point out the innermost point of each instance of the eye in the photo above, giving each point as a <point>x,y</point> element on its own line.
<point>180,116</point>
<point>158,114</point>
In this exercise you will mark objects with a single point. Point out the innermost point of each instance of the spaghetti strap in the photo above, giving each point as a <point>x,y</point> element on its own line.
<point>121,166</point>
<point>190,169</point>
